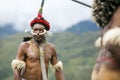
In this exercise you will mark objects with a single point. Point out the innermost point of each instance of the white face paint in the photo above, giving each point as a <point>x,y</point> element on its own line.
<point>38,29</point>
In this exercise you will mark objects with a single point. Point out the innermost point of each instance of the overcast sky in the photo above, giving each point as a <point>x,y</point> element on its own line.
<point>61,14</point>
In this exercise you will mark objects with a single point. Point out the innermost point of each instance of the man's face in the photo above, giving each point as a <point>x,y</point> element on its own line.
<point>37,30</point>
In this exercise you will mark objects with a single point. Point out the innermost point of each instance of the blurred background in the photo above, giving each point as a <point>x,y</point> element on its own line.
<point>74,34</point>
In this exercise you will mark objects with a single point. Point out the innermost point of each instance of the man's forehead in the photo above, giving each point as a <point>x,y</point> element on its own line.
<point>38,26</point>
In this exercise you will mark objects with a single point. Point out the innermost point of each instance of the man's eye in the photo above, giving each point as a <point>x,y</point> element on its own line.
<point>35,29</point>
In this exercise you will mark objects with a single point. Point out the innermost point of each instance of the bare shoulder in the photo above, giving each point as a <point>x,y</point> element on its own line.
<point>51,48</point>
<point>50,45</point>
<point>22,50</point>
<point>24,45</point>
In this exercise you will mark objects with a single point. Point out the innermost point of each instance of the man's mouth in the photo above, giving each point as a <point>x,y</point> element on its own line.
<point>38,37</point>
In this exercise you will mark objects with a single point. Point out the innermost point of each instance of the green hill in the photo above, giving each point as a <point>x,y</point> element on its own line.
<point>7,30</point>
<point>83,26</point>
<point>77,51</point>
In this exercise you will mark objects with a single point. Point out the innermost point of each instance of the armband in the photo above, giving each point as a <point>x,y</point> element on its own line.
<point>20,65</point>
<point>111,37</point>
<point>58,66</point>
<point>98,42</point>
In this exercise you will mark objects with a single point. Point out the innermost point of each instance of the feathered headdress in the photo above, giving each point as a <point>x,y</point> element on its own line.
<point>40,19</point>
<point>103,11</point>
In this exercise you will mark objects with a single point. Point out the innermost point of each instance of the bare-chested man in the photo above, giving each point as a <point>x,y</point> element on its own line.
<point>106,13</point>
<point>27,65</point>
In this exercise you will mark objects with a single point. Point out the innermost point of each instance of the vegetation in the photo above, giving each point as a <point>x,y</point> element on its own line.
<point>77,51</point>
<point>7,30</point>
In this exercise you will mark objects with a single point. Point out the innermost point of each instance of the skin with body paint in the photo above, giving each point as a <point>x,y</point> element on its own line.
<point>29,53</point>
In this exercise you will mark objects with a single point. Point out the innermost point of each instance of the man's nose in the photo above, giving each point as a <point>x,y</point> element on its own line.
<point>38,31</point>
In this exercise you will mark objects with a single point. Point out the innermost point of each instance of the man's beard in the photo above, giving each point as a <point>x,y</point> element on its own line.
<point>40,39</point>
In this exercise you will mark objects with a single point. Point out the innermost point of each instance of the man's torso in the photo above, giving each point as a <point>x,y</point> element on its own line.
<point>107,66</point>
<point>33,65</point>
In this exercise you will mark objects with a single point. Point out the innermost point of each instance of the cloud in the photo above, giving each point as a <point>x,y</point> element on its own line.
<point>60,13</point>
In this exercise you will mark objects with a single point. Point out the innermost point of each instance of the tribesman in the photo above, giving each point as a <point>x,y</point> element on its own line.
<point>33,56</point>
<point>106,13</point>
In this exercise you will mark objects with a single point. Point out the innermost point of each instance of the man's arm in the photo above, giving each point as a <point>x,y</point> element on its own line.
<point>18,64</point>
<point>16,74</point>
<point>56,65</point>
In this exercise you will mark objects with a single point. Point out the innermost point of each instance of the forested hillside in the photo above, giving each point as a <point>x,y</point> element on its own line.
<point>77,51</point>
<point>7,30</point>
<point>83,26</point>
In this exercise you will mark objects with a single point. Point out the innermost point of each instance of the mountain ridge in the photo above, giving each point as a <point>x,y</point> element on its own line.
<point>83,26</point>
<point>7,30</point>
<point>79,28</point>
<point>77,51</point>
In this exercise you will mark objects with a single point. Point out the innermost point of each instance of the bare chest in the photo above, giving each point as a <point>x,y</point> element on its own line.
<point>34,54</point>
